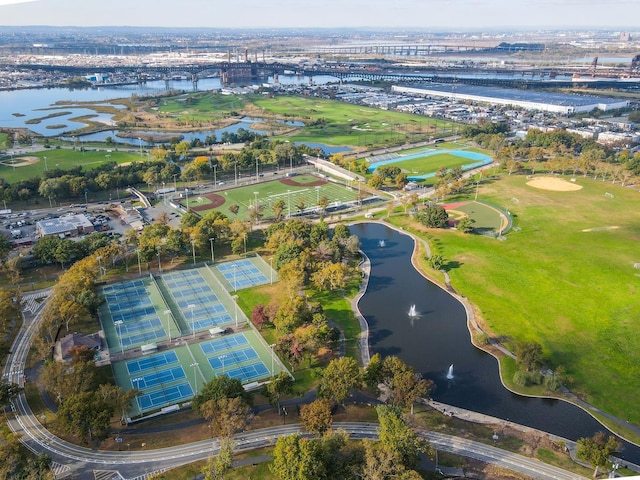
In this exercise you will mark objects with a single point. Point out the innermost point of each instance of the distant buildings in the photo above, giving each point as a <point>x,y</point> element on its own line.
<point>527,99</point>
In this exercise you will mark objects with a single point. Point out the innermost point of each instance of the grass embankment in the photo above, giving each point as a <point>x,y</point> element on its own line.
<point>565,279</point>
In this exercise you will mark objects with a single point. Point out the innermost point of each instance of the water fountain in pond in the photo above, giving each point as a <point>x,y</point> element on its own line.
<point>450,372</point>
<point>382,243</point>
<point>412,311</point>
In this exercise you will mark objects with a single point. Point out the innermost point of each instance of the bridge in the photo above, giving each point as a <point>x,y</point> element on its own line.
<point>232,72</point>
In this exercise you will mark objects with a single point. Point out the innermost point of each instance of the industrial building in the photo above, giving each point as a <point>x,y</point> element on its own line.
<point>527,99</point>
<point>72,225</point>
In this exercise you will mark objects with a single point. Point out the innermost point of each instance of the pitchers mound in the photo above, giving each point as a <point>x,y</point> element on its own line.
<point>554,184</point>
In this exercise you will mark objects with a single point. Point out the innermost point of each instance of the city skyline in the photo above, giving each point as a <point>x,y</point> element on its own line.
<point>434,14</point>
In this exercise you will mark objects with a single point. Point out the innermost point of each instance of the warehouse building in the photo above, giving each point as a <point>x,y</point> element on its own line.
<point>526,99</point>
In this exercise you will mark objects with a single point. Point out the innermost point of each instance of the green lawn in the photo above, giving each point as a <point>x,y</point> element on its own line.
<point>64,159</point>
<point>431,164</point>
<point>346,124</point>
<point>573,291</point>
<point>202,106</point>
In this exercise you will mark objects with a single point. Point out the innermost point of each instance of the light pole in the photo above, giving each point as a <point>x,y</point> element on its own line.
<point>257,173</point>
<point>159,263</point>
<point>271,272</point>
<point>137,381</point>
<point>118,323</point>
<point>289,203</point>
<point>175,189</point>
<point>235,170</point>
<point>168,314</point>
<point>139,266</point>
<point>45,164</point>
<point>213,258</point>
<point>140,140</point>
<point>255,201</point>
<point>195,378</point>
<point>235,284</point>
<point>193,250</point>
<point>215,176</point>
<point>235,307</point>
<point>272,355</point>
<point>222,357</point>
<point>191,306</point>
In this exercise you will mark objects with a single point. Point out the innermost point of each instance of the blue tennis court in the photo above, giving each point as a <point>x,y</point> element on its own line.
<point>154,361</point>
<point>242,274</point>
<point>247,373</point>
<point>199,305</point>
<point>163,397</point>
<point>233,358</point>
<point>154,379</point>
<point>222,344</point>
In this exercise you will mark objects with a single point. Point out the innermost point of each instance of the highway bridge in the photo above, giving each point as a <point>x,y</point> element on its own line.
<point>247,71</point>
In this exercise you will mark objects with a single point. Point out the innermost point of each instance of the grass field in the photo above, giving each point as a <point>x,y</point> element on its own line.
<point>565,280</point>
<point>347,124</point>
<point>63,159</point>
<point>202,106</point>
<point>268,193</point>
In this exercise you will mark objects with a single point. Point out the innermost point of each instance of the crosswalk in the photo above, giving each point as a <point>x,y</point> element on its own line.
<point>107,475</point>
<point>31,302</point>
<point>59,470</point>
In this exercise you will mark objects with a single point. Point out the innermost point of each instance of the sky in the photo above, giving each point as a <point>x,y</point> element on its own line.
<point>428,14</point>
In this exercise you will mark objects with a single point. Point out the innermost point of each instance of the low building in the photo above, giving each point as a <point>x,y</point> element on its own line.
<point>63,350</point>
<point>72,225</point>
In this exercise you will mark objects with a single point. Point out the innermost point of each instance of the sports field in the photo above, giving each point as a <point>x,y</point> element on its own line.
<point>60,158</point>
<point>297,191</point>
<point>183,315</point>
<point>487,219</point>
<point>424,163</point>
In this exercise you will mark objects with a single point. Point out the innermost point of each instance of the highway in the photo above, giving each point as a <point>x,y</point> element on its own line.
<point>82,462</point>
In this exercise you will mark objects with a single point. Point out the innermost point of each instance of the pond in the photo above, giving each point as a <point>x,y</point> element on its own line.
<point>437,337</point>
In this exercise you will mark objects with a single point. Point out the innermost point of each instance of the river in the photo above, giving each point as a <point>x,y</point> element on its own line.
<point>438,337</point>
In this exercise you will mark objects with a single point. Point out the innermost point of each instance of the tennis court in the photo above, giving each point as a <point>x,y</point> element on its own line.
<point>222,344</point>
<point>166,396</point>
<point>131,314</point>
<point>200,307</point>
<point>242,274</point>
<point>248,373</point>
<point>155,361</point>
<point>227,356</point>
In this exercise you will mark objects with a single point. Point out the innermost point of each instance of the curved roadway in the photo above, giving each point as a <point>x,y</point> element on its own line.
<point>82,461</point>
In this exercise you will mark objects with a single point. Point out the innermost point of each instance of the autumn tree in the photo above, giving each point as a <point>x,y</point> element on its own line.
<point>227,416</point>
<point>340,375</point>
<point>597,449</point>
<point>316,416</point>
<point>281,384</point>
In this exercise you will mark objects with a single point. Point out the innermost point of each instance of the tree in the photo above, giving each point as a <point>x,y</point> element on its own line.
<point>465,225</point>
<point>433,216</point>
<point>227,416</point>
<point>401,180</point>
<point>376,181</point>
<point>529,356</point>
<point>281,384</point>
<point>8,392</point>
<point>86,415</point>
<point>331,276</point>
<point>436,261</point>
<point>597,449</point>
<point>217,466</point>
<point>316,416</point>
<point>220,387</point>
<point>404,385</point>
<point>398,438</point>
<point>341,375</point>
<point>259,316</point>
<point>296,458</point>
<point>278,208</point>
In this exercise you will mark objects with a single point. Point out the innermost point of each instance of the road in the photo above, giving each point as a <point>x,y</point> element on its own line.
<point>82,462</point>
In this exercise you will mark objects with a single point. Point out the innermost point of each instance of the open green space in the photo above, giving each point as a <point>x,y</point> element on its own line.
<point>202,106</point>
<point>431,163</point>
<point>564,278</point>
<point>63,159</point>
<point>267,193</point>
<point>337,123</point>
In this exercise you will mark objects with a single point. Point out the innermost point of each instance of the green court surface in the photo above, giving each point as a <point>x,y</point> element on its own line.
<point>298,191</point>
<point>175,330</point>
<point>168,378</point>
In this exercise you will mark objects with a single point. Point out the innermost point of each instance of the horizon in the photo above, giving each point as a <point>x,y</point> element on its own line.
<point>435,15</point>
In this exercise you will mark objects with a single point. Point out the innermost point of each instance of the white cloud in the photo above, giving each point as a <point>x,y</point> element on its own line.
<point>9,2</point>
